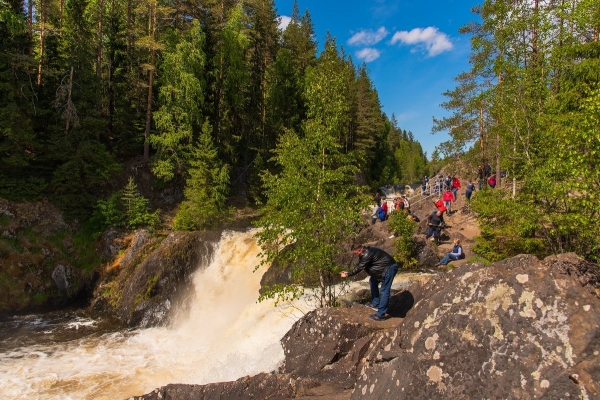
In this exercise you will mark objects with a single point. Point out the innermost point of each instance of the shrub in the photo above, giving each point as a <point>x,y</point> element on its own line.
<point>404,230</point>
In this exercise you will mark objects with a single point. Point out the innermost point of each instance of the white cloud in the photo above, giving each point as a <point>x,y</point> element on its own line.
<point>368,37</point>
<point>284,21</point>
<point>368,54</point>
<point>434,41</point>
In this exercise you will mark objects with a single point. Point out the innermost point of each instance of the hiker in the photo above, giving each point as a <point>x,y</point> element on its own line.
<point>412,216</point>
<point>456,254</point>
<point>424,183</point>
<point>375,214</point>
<point>439,204</point>
<point>492,181</point>
<point>381,267</point>
<point>448,183</point>
<point>405,202</point>
<point>383,210</point>
<point>448,200</point>
<point>470,190</point>
<point>377,199</point>
<point>455,186</point>
<point>435,223</point>
<point>398,204</point>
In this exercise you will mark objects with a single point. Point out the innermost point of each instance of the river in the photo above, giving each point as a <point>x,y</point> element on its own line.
<point>227,335</point>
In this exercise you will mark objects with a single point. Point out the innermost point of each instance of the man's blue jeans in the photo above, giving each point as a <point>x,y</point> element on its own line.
<point>381,299</point>
<point>447,258</point>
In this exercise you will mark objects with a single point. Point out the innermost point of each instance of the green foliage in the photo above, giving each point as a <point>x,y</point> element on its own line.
<point>109,212</point>
<point>531,103</point>
<point>126,208</point>
<point>40,298</point>
<point>508,226</point>
<point>281,293</point>
<point>312,206</point>
<point>206,188</point>
<point>75,182</point>
<point>181,96</point>
<point>136,207</point>
<point>404,229</point>
<point>92,82</point>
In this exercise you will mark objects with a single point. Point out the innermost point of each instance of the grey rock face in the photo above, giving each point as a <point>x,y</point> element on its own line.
<point>140,238</point>
<point>516,329</point>
<point>513,330</point>
<point>62,276</point>
<point>427,253</point>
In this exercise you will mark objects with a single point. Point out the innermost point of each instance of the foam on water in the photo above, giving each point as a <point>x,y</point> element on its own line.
<point>226,336</point>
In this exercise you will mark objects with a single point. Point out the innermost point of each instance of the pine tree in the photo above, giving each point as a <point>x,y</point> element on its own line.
<point>17,101</point>
<point>207,186</point>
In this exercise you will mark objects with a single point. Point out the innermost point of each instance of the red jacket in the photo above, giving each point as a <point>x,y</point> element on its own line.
<point>440,205</point>
<point>448,196</point>
<point>456,183</point>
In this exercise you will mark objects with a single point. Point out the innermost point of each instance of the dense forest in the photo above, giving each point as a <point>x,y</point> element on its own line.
<point>530,105</point>
<point>199,92</point>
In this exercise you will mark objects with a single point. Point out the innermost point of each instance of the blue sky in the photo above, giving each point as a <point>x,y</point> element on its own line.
<point>412,49</point>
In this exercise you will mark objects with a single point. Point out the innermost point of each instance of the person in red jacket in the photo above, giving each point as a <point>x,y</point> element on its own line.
<point>448,200</point>
<point>455,186</point>
<point>439,204</point>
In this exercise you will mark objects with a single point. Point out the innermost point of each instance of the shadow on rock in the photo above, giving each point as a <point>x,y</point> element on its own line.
<point>400,304</point>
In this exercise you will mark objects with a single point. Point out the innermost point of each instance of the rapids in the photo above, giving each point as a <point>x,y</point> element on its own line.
<point>227,335</point>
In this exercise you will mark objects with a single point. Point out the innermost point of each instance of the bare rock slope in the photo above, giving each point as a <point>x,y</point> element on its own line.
<point>517,329</point>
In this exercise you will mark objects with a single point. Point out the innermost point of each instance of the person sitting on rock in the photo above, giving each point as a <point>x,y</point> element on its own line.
<point>412,216</point>
<point>382,268</point>
<point>435,223</point>
<point>455,254</point>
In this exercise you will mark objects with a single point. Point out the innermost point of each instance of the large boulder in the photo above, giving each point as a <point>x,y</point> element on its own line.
<point>516,329</point>
<point>259,387</point>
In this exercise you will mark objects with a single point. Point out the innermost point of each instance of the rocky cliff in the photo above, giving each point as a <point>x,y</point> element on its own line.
<point>43,260</point>
<point>517,329</point>
<point>153,276</point>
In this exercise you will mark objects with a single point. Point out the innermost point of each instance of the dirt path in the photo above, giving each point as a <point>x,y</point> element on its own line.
<point>461,223</point>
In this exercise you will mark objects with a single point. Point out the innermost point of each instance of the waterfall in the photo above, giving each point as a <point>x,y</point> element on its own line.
<point>227,335</point>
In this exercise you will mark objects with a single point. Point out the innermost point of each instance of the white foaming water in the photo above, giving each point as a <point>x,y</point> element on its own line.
<point>227,335</point>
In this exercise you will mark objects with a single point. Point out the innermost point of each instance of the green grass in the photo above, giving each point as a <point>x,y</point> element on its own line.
<point>40,298</point>
<point>4,220</point>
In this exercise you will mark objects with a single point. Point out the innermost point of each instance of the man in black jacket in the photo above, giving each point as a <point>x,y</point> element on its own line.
<point>435,223</point>
<point>381,267</point>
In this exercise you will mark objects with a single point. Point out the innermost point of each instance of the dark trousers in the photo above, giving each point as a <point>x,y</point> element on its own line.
<point>381,298</point>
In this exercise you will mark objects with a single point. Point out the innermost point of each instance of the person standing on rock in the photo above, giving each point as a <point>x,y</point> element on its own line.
<point>382,268</point>
<point>470,190</point>
<point>435,223</point>
<point>455,187</point>
<point>448,200</point>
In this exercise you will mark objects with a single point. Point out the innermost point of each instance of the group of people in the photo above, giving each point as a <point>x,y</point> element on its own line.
<point>381,210</point>
<point>381,266</point>
<point>484,175</point>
